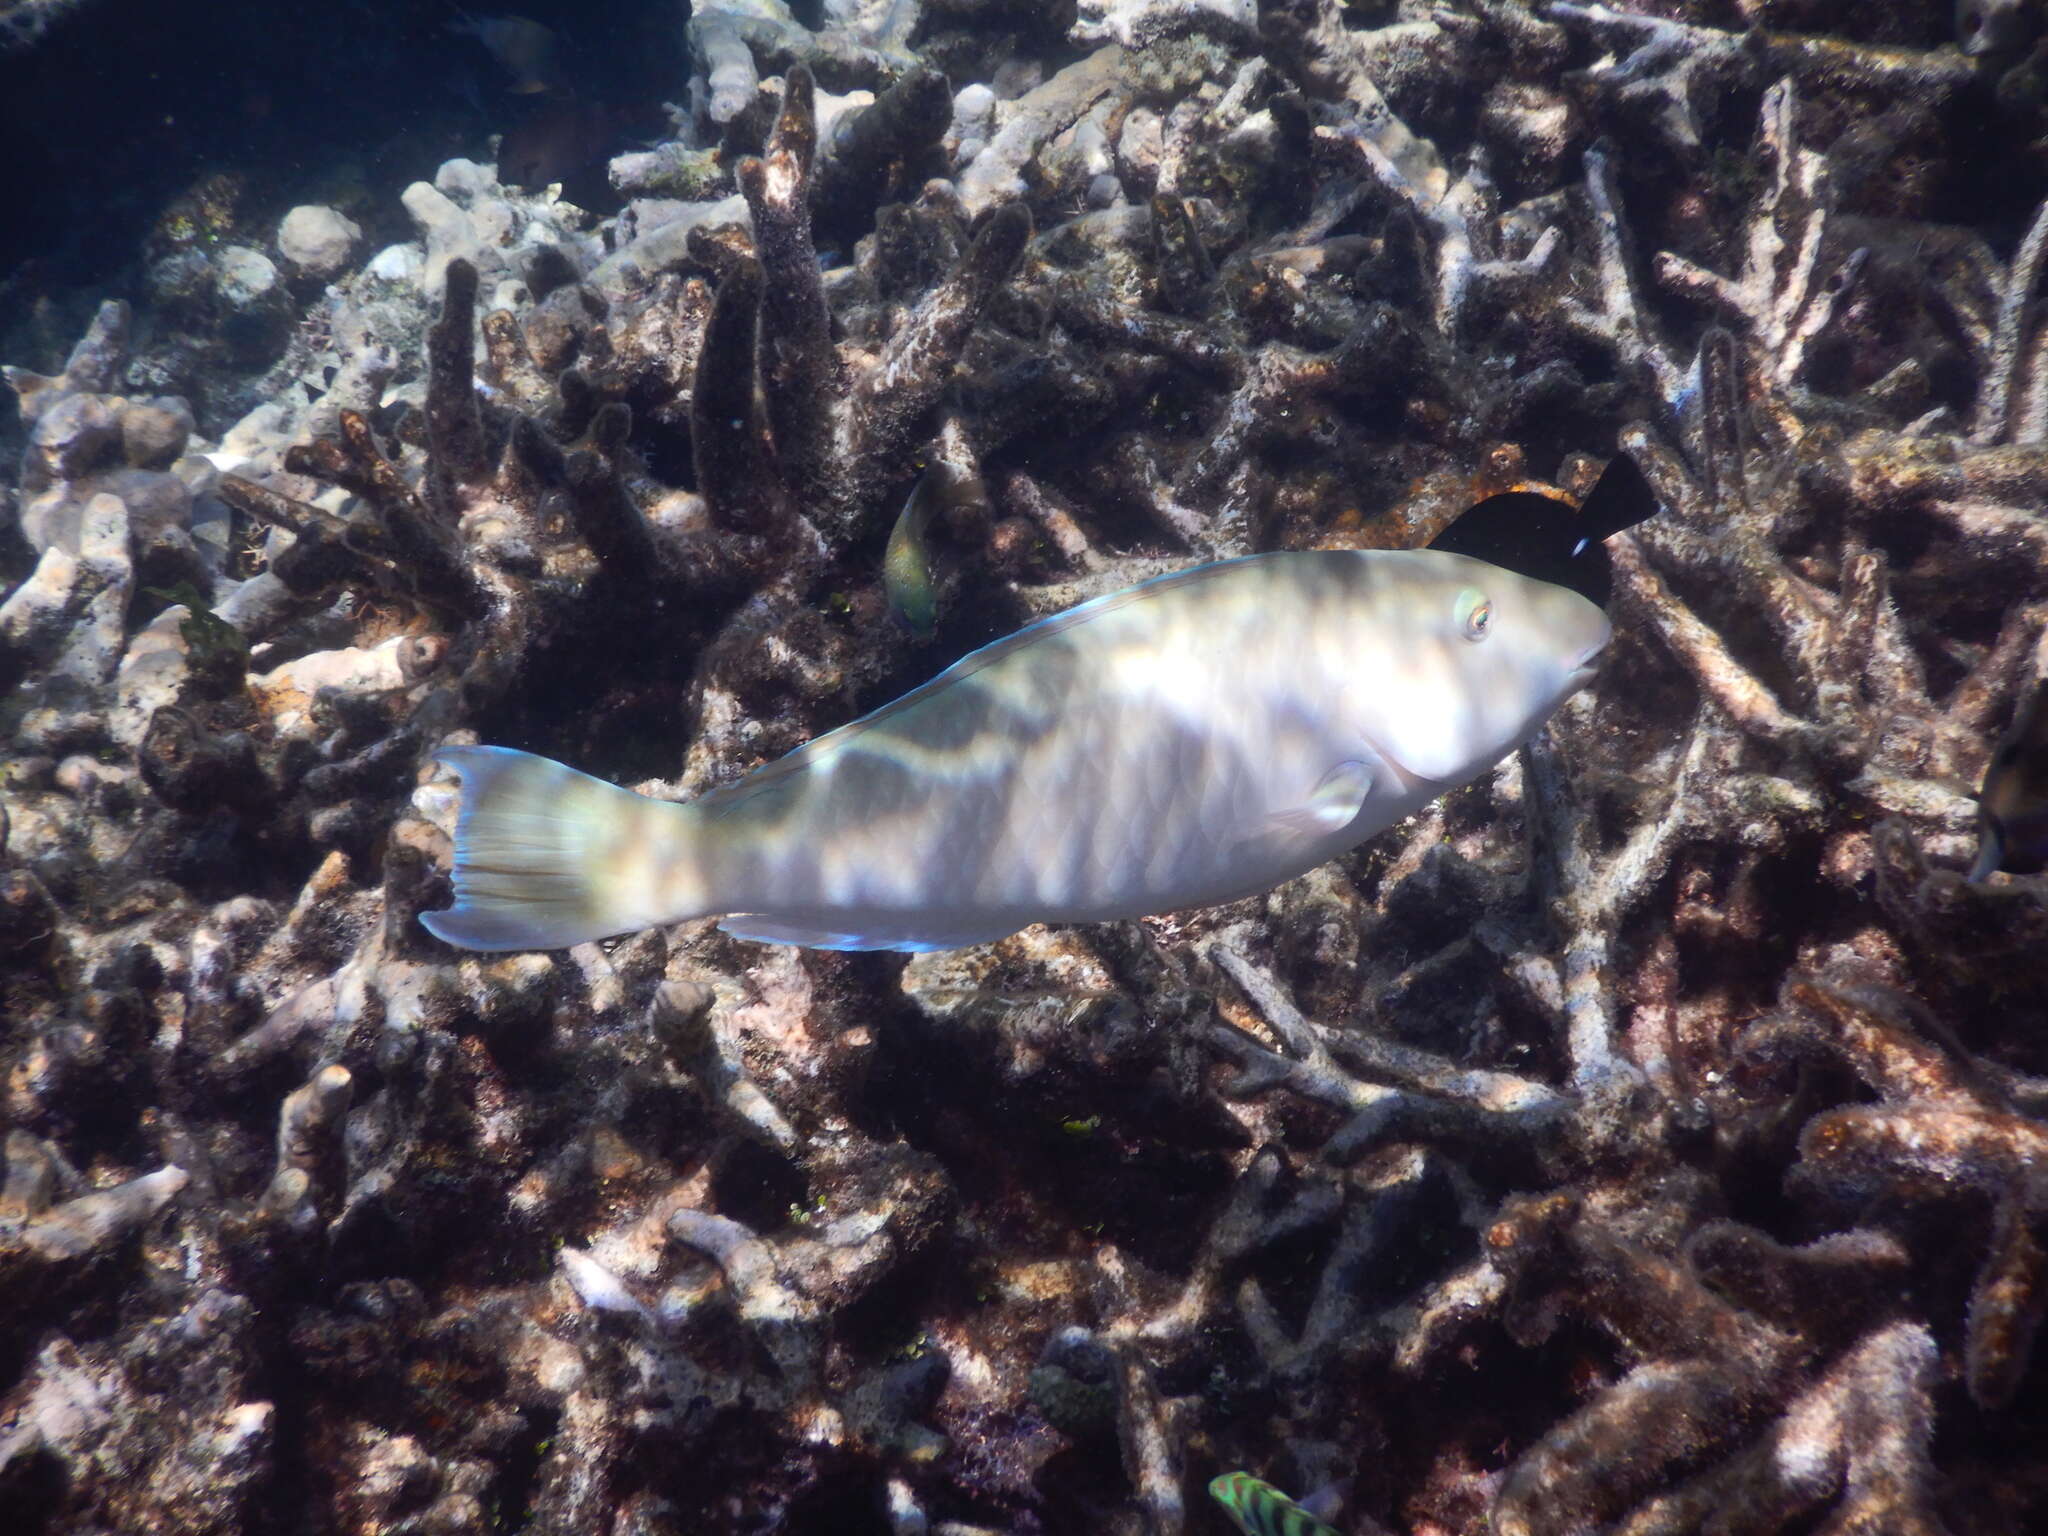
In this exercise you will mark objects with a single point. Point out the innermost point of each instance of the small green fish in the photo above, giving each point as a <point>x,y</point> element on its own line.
<point>2012,805</point>
<point>206,632</point>
<point>1257,1508</point>
<point>907,563</point>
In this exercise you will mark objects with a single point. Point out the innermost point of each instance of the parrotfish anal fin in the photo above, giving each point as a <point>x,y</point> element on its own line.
<point>1330,807</point>
<point>896,934</point>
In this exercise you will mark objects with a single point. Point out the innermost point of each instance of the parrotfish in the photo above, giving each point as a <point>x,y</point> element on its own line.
<point>1197,738</point>
<point>1257,1508</point>
<point>1544,536</point>
<point>2012,804</point>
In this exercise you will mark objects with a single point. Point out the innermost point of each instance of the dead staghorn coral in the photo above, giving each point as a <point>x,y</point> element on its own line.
<point>1857,1423</point>
<point>1946,1126</point>
<point>510,522</point>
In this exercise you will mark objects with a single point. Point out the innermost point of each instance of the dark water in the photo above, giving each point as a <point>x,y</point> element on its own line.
<point>121,107</point>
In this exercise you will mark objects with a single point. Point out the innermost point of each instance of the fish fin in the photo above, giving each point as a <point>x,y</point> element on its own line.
<point>533,847</point>
<point>1327,1502</point>
<point>1620,499</point>
<point>1990,850</point>
<point>760,929</point>
<point>1330,807</point>
<point>1535,535</point>
<point>1482,528</point>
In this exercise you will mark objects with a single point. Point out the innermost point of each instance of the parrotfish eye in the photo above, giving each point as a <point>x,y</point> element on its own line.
<point>1475,613</point>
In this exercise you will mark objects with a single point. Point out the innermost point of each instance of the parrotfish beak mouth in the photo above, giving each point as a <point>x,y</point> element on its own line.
<point>1587,663</point>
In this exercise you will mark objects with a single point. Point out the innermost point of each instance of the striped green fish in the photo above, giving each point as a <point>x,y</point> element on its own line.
<point>1257,1508</point>
<point>1187,741</point>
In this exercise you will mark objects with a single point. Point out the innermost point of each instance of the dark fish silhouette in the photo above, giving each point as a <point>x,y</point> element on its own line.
<point>563,139</point>
<point>525,50</point>
<point>2012,805</point>
<point>1549,539</point>
<point>1996,28</point>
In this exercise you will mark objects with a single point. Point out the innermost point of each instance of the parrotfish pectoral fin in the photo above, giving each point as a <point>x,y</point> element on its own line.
<point>882,934</point>
<point>1331,806</point>
<point>536,847</point>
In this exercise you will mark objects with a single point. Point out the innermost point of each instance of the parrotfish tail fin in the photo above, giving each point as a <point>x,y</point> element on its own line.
<point>546,857</point>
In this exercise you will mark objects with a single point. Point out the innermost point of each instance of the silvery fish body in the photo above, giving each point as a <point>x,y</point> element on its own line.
<point>1184,742</point>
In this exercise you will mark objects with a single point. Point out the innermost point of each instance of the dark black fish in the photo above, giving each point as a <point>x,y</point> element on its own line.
<point>1996,28</point>
<point>2012,805</point>
<point>525,49</point>
<point>564,139</point>
<point>1547,537</point>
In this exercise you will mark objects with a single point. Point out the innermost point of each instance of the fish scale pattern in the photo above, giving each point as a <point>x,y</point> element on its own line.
<point>1154,751</point>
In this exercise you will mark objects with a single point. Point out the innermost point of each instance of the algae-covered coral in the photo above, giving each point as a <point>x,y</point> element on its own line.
<point>1642,1139</point>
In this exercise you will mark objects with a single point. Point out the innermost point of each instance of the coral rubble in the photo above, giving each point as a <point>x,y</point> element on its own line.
<point>1647,1138</point>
